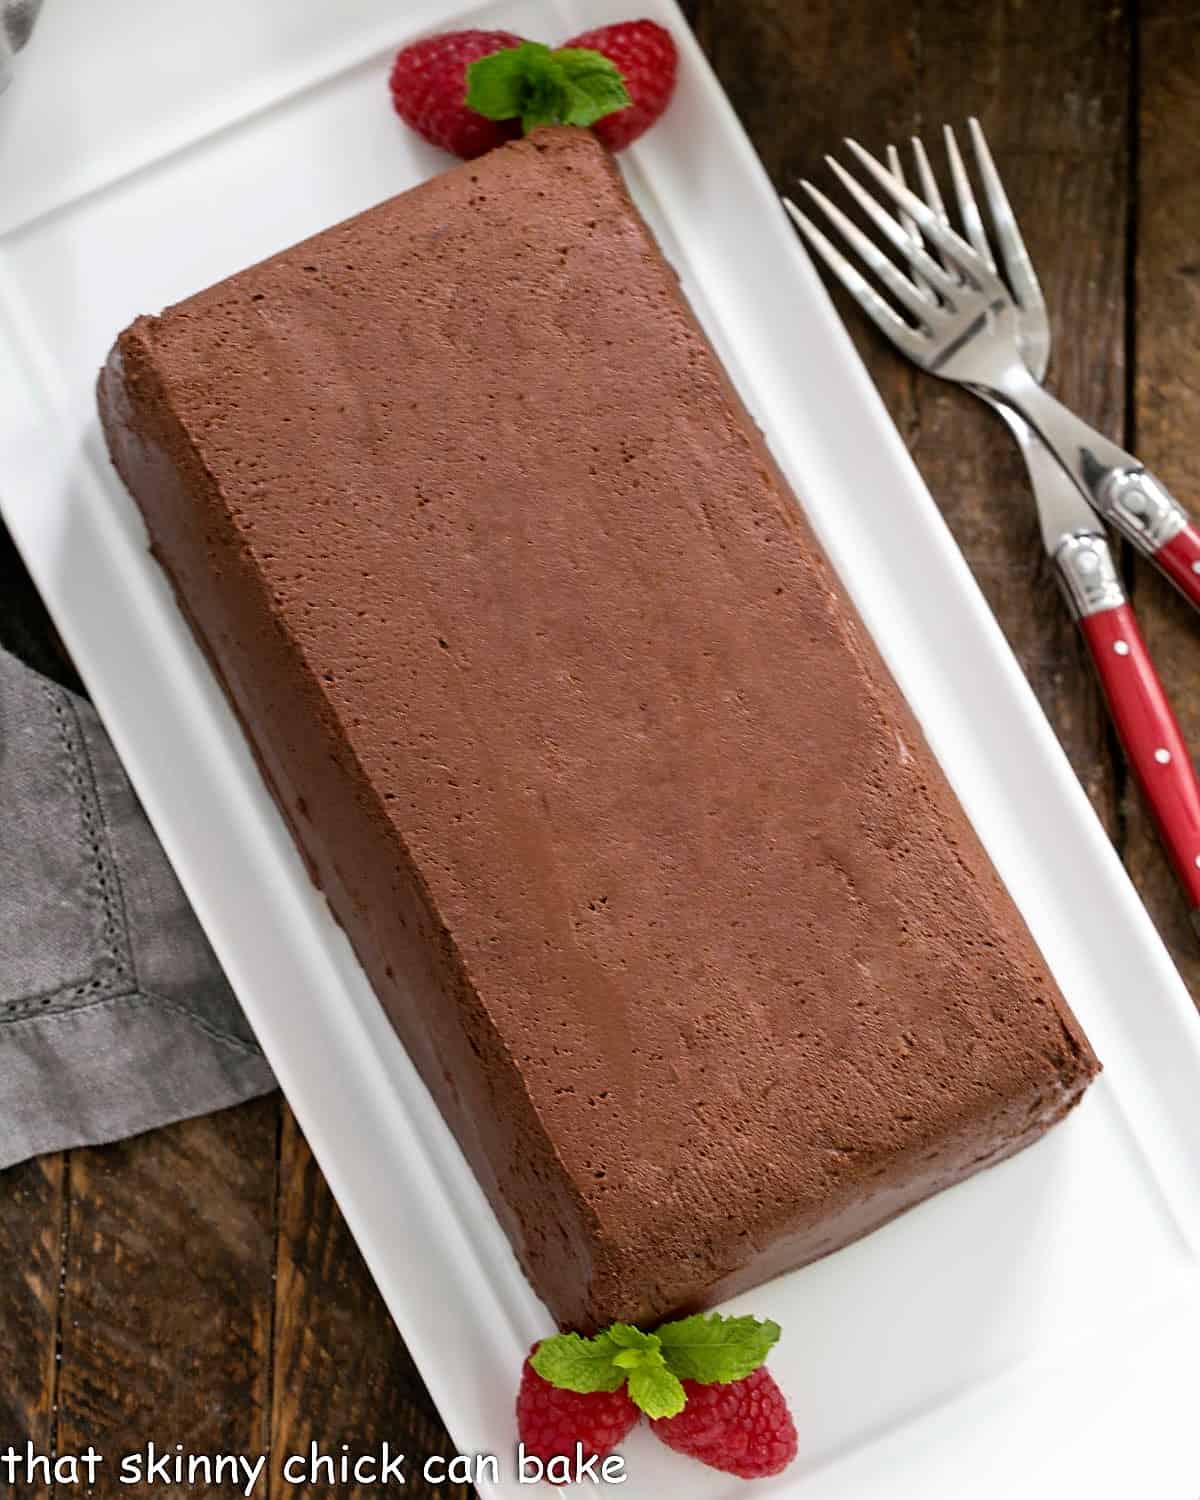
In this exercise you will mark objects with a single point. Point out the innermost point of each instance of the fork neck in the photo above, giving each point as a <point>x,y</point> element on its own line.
<point>1111,480</point>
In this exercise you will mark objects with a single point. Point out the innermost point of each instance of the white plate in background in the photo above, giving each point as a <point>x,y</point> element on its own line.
<point>1033,1331</point>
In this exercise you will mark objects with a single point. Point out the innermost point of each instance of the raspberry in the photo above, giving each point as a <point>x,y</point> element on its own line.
<point>744,1427</point>
<point>550,1421</point>
<point>429,84</point>
<point>647,58</point>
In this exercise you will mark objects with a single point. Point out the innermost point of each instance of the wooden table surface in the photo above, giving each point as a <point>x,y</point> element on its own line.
<point>198,1285</point>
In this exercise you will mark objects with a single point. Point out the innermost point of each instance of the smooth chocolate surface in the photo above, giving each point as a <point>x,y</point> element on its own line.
<point>639,844</point>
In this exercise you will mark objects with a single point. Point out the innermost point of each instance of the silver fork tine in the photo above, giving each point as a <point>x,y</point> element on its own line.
<point>908,242</point>
<point>929,183</point>
<point>907,223</point>
<point>880,312</point>
<point>929,186</point>
<point>1017,265</point>
<point>967,205</point>
<point>896,282</point>
<point>937,233</point>
<point>896,168</point>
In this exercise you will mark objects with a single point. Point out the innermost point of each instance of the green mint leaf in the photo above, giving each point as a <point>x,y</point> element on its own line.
<point>544,100</point>
<point>593,86</point>
<point>635,1349</point>
<point>500,84</point>
<point>545,108</point>
<point>626,1336</point>
<point>716,1349</point>
<point>573,86</point>
<point>654,1389</point>
<point>574,1363</point>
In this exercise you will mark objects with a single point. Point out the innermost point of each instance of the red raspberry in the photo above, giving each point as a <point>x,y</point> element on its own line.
<point>550,1421</point>
<point>647,58</point>
<point>744,1427</point>
<point>429,85</point>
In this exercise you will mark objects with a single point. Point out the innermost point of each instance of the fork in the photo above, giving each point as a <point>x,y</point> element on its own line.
<point>966,325</point>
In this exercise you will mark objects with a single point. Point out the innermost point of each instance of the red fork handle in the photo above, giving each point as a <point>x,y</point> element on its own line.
<point>1179,559</point>
<point>1149,735</point>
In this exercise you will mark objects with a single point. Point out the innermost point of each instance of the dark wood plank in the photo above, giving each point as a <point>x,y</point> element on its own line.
<point>25,627</point>
<point>31,1234</point>
<point>168,1298</point>
<point>1166,391</point>
<point>341,1371</point>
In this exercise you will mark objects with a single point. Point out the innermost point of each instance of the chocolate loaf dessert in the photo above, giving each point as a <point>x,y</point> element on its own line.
<point>636,838</point>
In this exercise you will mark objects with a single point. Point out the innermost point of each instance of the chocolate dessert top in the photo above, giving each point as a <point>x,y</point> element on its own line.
<point>595,679</point>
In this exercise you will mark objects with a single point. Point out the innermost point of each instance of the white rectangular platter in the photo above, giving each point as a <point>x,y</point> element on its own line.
<point>1032,1332</point>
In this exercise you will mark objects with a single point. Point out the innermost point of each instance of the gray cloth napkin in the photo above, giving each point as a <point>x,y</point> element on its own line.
<point>114,1014</point>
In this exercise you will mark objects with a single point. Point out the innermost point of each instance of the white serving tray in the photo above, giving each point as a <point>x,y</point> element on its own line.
<point>1033,1332</point>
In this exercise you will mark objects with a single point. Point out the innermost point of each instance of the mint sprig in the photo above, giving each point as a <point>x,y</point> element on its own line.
<point>708,1349</point>
<point>570,86</point>
<point>621,1355</point>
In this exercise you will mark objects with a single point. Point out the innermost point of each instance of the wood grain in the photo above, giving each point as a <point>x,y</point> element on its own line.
<point>341,1371</point>
<point>1166,398</point>
<point>167,1296</point>
<point>31,1235</point>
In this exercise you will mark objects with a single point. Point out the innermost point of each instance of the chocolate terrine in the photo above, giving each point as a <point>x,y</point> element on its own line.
<point>636,838</point>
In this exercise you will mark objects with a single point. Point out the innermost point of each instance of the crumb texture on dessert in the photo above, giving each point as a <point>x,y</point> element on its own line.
<point>629,825</point>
